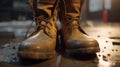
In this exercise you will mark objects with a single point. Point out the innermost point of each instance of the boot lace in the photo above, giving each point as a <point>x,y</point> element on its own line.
<point>74,23</point>
<point>40,26</point>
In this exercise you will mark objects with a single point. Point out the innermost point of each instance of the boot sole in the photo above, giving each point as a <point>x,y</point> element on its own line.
<point>83,51</point>
<point>37,55</point>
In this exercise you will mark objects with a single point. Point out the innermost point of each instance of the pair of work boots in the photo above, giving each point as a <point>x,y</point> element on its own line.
<point>42,42</point>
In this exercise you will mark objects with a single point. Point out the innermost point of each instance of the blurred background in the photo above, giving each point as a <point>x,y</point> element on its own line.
<point>103,10</point>
<point>14,10</point>
<point>16,16</point>
<point>20,10</point>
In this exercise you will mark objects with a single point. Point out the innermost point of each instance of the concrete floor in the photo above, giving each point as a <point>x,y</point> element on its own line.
<point>108,37</point>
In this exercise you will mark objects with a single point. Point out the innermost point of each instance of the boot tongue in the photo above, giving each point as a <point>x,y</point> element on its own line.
<point>46,28</point>
<point>43,24</point>
<point>75,24</point>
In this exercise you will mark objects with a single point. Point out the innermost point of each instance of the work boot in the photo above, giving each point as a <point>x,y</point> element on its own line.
<point>42,42</point>
<point>75,40</point>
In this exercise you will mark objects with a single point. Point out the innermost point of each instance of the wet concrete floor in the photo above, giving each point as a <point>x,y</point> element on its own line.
<point>9,58</point>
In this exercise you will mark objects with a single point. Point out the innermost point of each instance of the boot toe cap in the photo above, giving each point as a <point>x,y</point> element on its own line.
<point>35,51</point>
<point>74,44</point>
<point>82,47</point>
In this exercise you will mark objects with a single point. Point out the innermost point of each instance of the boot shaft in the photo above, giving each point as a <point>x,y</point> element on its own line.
<point>49,8</point>
<point>44,7</point>
<point>44,10</point>
<point>70,16</point>
<point>71,8</point>
<point>45,14</point>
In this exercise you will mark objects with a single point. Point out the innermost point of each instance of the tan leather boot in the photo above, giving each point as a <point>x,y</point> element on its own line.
<point>74,38</point>
<point>41,44</point>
